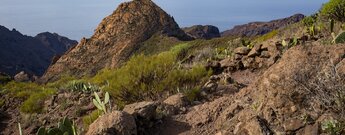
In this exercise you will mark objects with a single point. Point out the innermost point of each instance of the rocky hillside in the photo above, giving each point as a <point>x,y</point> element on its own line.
<point>261,28</point>
<point>288,82</point>
<point>202,32</point>
<point>116,38</point>
<point>30,54</point>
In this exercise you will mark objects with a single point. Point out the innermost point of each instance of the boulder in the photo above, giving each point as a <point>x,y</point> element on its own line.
<point>178,100</point>
<point>255,51</point>
<point>22,77</point>
<point>265,54</point>
<point>248,62</point>
<point>115,123</point>
<point>146,110</point>
<point>293,124</point>
<point>242,50</point>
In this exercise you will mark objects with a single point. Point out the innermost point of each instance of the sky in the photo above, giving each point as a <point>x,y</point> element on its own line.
<point>78,18</point>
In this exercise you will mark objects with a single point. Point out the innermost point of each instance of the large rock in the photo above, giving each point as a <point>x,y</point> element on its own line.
<point>178,100</point>
<point>202,32</point>
<point>116,38</point>
<point>22,77</point>
<point>114,123</point>
<point>146,110</point>
<point>242,50</point>
<point>146,115</point>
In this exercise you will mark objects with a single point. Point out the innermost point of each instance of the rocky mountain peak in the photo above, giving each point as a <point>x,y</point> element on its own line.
<point>140,18</point>
<point>116,38</point>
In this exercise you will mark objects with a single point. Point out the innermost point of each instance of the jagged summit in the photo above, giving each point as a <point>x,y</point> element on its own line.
<point>116,38</point>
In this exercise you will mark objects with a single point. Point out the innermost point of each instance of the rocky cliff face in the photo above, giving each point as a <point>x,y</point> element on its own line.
<point>30,54</point>
<point>260,28</point>
<point>202,32</point>
<point>116,38</point>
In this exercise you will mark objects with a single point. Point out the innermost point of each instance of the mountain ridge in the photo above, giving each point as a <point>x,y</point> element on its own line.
<point>260,28</point>
<point>30,54</point>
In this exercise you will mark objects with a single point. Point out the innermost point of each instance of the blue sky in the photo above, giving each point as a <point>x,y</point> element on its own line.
<point>78,18</point>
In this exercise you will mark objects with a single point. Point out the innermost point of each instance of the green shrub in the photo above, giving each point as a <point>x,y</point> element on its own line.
<point>340,38</point>
<point>21,89</point>
<point>267,36</point>
<point>334,9</point>
<point>2,102</point>
<point>89,119</point>
<point>193,95</point>
<point>309,20</point>
<point>62,82</point>
<point>150,77</point>
<point>32,94</point>
<point>332,127</point>
<point>221,53</point>
<point>34,104</point>
<point>4,79</point>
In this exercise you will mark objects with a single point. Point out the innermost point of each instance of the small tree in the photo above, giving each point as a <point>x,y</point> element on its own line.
<point>334,9</point>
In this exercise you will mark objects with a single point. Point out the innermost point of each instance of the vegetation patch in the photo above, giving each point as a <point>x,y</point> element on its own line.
<point>267,36</point>
<point>89,119</point>
<point>334,9</point>
<point>151,77</point>
<point>32,94</point>
<point>2,102</point>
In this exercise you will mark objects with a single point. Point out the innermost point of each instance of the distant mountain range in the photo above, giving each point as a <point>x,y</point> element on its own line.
<point>261,28</point>
<point>32,55</point>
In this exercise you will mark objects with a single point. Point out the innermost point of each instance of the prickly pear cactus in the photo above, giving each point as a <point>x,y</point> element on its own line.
<point>340,38</point>
<point>65,127</point>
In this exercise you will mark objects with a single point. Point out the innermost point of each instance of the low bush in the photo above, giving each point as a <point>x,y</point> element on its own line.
<point>332,127</point>
<point>89,119</point>
<point>62,82</point>
<point>2,102</point>
<point>21,89</point>
<point>4,79</point>
<point>267,36</point>
<point>151,77</point>
<point>309,20</point>
<point>35,103</point>
<point>334,9</point>
<point>32,94</point>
